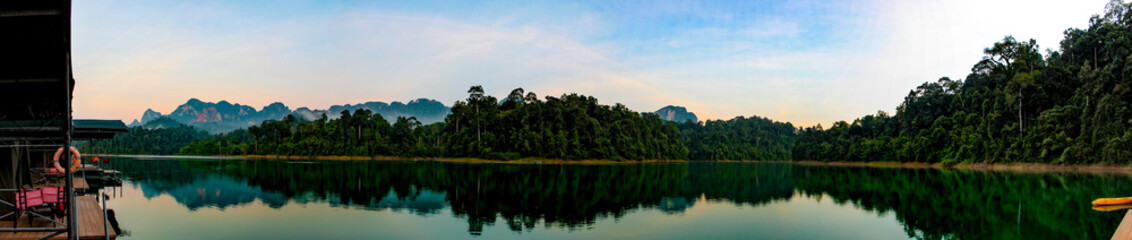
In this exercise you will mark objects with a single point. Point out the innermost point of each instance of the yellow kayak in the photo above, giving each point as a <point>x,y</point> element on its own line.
<point>1110,208</point>
<point>1112,201</point>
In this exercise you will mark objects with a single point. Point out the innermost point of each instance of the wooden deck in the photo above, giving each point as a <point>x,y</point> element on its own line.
<point>80,184</point>
<point>1124,231</point>
<point>90,223</point>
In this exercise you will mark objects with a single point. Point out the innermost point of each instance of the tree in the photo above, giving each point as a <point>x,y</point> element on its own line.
<point>475,98</point>
<point>531,98</point>
<point>1028,58</point>
<point>516,95</point>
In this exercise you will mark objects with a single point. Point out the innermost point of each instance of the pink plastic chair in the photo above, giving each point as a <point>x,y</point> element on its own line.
<point>26,200</point>
<point>55,197</point>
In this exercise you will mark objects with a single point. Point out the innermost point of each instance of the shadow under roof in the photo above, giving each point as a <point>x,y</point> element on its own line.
<point>35,70</point>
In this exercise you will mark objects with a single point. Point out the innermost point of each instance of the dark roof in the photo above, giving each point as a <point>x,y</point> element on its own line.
<point>40,130</point>
<point>98,129</point>
<point>35,77</point>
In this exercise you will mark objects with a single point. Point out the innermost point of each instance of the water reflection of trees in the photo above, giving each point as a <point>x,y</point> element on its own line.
<point>195,187</point>
<point>524,196</point>
<point>930,203</point>
<point>935,204</point>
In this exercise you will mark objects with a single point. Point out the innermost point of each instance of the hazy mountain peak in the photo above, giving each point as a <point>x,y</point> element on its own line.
<point>161,122</point>
<point>149,115</point>
<point>676,114</point>
<point>224,116</point>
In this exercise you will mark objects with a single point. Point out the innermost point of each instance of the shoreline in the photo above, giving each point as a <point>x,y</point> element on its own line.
<point>462,160</point>
<point>1008,167</point>
<point>1011,167</point>
<point>395,158</point>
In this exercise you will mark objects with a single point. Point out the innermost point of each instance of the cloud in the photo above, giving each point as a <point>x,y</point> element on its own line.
<point>317,61</point>
<point>923,41</point>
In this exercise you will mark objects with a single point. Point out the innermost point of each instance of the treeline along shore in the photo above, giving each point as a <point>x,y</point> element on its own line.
<point>570,127</point>
<point>1066,106</point>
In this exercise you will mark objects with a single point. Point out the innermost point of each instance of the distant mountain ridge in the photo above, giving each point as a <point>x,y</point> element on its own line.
<point>676,114</point>
<point>223,116</point>
<point>161,123</point>
<point>425,110</point>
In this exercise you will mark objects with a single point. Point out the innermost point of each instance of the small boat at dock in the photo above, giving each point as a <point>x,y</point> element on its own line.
<point>1112,201</point>
<point>1110,208</point>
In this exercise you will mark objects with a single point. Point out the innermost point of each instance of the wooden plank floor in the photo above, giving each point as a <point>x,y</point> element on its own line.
<point>80,184</point>
<point>1124,231</point>
<point>90,222</point>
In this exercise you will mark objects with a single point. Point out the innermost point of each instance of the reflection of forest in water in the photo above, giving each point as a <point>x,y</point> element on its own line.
<point>930,203</point>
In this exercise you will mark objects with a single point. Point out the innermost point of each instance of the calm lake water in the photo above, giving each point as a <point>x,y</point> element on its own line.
<point>272,199</point>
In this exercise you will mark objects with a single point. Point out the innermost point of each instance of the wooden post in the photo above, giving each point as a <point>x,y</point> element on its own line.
<point>72,220</point>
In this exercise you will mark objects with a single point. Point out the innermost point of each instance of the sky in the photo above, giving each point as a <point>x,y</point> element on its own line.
<point>798,61</point>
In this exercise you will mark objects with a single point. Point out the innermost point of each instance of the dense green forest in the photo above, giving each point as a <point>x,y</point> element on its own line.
<point>162,136</point>
<point>740,138</point>
<point>568,127</point>
<point>1016,105</point>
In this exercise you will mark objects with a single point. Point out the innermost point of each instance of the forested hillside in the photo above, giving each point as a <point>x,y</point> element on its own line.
<point>567,127</point>
<point>1016,105</point>
<point>740,138</point>
<point>521,125</point>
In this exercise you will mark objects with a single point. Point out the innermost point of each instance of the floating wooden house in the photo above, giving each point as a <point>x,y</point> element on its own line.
<point>36,92</point>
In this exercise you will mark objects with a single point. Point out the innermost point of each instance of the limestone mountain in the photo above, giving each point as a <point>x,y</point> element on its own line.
<point>223,116</point>
<point>161,123</point>
<point>676,114</point>
<point>425,110</point>
<point>149,115</point>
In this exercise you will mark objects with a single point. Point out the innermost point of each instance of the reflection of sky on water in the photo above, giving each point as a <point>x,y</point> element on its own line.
<point>398,200</point>
<point>420,202</point>
<point>427,216</point>
<point>222,200</point>
<point>211,204</point>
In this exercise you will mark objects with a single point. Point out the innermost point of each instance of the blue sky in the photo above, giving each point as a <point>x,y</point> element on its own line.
<point>805,62</point>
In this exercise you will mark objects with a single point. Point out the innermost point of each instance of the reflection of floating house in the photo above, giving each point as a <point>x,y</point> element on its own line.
<point>36,87</point>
